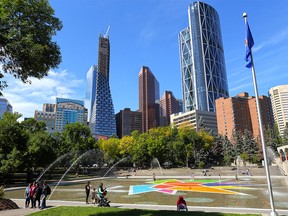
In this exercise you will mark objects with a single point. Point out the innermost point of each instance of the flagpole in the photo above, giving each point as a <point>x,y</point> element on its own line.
<point>273,212</point>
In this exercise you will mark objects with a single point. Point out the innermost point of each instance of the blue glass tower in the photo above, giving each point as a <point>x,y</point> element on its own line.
<point>102,116</point>
<point>69,111</point>
<point>202,60</point>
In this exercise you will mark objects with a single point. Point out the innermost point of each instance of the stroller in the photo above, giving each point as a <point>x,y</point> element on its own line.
<point>182,207</point>
<point>102,200</point>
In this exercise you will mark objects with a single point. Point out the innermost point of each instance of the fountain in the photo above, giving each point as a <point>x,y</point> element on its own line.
<point>155,164</point>
<point>114,166</point>
<point>271,155</point>
<point>51,165</point>
<point>89,151</point>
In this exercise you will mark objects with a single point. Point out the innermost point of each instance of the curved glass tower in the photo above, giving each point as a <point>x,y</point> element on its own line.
<point>202,60</point>
<point>102,117</point>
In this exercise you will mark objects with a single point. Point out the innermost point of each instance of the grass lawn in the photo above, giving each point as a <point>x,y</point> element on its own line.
<point>92,211</point>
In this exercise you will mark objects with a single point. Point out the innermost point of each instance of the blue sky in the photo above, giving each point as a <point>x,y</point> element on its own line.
<point>145,33</point>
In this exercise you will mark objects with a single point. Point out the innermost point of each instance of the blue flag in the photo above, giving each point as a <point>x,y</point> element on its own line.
<point>249,42</point>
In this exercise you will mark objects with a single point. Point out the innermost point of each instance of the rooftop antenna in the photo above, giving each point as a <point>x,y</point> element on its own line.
<point>107,31</point>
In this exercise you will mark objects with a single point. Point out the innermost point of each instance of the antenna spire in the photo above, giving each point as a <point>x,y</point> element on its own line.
<point>106,34</point>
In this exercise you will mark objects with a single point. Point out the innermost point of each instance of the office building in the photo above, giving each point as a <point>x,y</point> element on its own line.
<point>5,106</point>
<point>90,89</point>
<point>128,121</point>
<point>102,120</point>
<point>195,119</point>
<point>168,105</point>
<point>47,115</point>
<point>65,111</point>
<point>202,59</point>
<point>279,101</point>
<point>69,111</point>
<point>240,112</point>
<point>148,99</point>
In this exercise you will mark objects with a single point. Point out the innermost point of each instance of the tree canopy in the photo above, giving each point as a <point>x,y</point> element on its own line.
<point>26,46</point>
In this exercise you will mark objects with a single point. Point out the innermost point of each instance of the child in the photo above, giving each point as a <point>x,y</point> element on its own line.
<point>94,200</point>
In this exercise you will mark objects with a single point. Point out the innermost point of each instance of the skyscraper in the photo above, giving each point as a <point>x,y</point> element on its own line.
<point>279,101</point>
<point>102,116</point>
<point>5,106</point>
<point>90,89</point>
<point>168,105</point>
<point>148,97</point>
<point>202,59</point>
<point>128,121</point>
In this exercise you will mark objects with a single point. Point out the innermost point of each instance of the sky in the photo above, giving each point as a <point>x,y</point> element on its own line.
<point>145,33</point>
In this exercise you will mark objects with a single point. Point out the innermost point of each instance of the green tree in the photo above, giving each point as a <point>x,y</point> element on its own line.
<point>76,137</point>
<point>12,144</point>
<point>140,156</point>
<point>250,148</point>
<point>26,46</point>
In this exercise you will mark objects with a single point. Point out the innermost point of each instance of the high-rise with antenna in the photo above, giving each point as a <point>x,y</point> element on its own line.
<point>102,117</point>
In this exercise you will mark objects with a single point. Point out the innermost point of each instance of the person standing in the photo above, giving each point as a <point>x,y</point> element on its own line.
<point>26,195</point>
<point>87,190</point>
<point>44,195</point>
<point>32,193</point>
<point>37,196</point>
<point>93,194</point>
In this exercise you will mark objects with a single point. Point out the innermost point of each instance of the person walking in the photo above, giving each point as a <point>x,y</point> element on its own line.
<point>26,195</point>
<point>87,190</point>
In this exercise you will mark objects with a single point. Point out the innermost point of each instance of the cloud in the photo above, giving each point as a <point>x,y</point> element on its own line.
<point>275,39</point>
<point>26,98</point>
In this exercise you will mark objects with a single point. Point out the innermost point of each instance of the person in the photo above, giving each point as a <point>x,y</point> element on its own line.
<point>154,177</point>
<point>101,191</point>
<point>181,204</point>
<point>87,190</point>
<point>37,196</point>
<point>26,195</point>
<point>93,194</point>
<point>44,195</point>
<point>32,193</point>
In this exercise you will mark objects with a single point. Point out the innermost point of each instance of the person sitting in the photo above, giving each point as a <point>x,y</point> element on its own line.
<point>181,204</point>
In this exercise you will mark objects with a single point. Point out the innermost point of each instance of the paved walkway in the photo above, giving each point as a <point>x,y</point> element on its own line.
<point>54,203</point>
<point>225,172</point>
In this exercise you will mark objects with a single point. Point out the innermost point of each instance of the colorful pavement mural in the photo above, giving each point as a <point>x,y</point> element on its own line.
<point>171,186</point>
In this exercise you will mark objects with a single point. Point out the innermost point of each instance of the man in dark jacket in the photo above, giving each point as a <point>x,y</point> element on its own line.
<point>44,195</point>
<point>38,192</point>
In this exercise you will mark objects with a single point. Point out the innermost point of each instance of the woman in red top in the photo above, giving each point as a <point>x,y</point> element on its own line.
<point>181,204</point>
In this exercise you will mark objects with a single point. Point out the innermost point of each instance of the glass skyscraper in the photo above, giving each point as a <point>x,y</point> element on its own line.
<point>101,111</point>
<point>5,106</point>
<point>202,59</point>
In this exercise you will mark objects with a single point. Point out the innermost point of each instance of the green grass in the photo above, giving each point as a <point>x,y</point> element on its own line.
<point>94,211</point>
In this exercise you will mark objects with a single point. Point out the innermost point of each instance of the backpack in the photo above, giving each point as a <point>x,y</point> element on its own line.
<point>48,190</point>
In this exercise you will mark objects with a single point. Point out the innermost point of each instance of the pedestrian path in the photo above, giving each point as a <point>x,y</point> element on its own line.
<point>54,203</point>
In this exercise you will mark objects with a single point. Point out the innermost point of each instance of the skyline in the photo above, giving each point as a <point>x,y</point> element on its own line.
<point>152,40</point>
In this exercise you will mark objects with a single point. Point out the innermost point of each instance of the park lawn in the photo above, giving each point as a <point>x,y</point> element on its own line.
<point>92,211</point>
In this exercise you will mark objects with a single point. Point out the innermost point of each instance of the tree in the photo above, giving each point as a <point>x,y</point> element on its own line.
<point>26,46</point>
<point>76,137</point>
<point>12,144</point>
